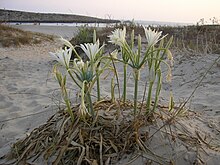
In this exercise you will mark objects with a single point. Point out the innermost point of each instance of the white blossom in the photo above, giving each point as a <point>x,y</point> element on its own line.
<point>62,56</point>
<point>91,49</point>
<point>152,36</point>
<point>80,64</point>
<point>118,36</point>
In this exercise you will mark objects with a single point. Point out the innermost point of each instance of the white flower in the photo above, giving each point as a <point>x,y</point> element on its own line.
<point>91,49</point>
<point>80,64</point>
<point>62,56</point>
<point>118,36</point>
<point>152,36</point>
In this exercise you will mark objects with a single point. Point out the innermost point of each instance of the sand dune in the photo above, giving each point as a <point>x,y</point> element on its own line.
<point>27,87</point>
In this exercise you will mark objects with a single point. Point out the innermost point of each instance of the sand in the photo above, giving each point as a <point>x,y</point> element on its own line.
<point>27,87</point>
<point>67,32</point>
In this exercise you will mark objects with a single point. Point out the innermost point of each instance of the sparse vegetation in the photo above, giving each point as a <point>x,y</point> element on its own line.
<point>15,37</point>
<point>193,39</point>
<point>196,39</point>
<point>77,124</point>
<point>103,131</point>
<point>83,36</point>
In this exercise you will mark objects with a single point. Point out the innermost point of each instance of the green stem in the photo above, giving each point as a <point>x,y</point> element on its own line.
<point>89,100</point>
<point>69,109</point>
<point>73,79</point>
<point>125,83</point>
<point>149,96</point>
<point>136,76</point>
<point>117,79</point>
<point>67,102</point>
<point>98,85</point>
<point>112,90</point>
<point>159,82</point>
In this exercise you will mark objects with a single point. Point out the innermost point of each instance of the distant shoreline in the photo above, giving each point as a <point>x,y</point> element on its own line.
<point>74,24</point>
<point>37,22</point>
<point>78,24</point>
<point>32,17</point>
<point>23,17</point>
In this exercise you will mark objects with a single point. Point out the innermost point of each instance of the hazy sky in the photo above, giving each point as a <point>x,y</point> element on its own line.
<point>188,11</point>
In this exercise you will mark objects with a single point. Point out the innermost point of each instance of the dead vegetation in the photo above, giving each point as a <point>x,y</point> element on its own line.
<point>15,37</point>
<point>114,136</point>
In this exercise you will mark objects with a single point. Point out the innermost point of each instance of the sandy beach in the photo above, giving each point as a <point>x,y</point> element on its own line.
<point>67,32</point>
<point>28,87</point>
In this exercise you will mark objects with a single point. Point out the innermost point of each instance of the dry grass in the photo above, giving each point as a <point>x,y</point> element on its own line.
<point>107,139</point>
<point>114,135</point>
<point>15,37</point>
<point>195,39</point>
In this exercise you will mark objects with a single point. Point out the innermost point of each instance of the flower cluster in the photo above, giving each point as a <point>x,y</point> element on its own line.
<point>86,73</point>
<point>134,58</point>
<point>83,74</point>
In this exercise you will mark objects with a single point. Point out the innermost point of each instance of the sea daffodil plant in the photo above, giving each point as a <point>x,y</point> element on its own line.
<point>118,38</point>
<point>135,59</point>
<point>86,73</point>
<point>94,52</point>
<point>83,74</point>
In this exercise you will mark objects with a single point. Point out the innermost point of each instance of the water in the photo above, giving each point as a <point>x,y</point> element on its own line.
<point>67,24</point>
<point>138,22</point>
<point>158,23</point>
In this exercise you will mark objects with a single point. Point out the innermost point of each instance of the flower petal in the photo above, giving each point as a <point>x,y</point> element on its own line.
<point>62,56</point>
<point>91,50</point>
<point>152,36</point>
